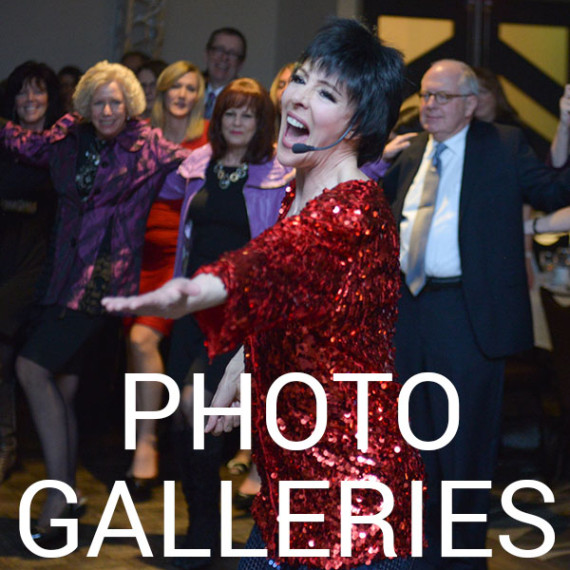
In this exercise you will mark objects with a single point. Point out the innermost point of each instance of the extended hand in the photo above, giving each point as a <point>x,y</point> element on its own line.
<point>227,395</point>
<point>173,300</point>
<point>397,145</point>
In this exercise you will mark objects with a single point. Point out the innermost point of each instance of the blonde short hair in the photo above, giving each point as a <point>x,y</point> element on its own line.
<point>275,84</point>
<point>101,74</point>
<point>165,81</point>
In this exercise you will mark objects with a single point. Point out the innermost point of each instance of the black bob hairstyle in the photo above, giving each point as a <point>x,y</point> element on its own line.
<point>371,72</point>
<point>40,74</point>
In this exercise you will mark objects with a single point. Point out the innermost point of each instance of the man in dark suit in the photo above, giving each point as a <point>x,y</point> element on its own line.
<point>465,303</point>
<point>225,53</point>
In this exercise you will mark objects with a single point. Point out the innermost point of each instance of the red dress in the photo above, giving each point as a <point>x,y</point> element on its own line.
<point>159,252</point>
<point>317,293</point>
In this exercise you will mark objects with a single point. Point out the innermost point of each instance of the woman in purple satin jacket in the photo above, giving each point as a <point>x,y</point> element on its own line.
<point>107,168</point>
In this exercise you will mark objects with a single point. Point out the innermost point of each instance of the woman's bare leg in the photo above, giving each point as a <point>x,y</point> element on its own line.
<point>51,405</point>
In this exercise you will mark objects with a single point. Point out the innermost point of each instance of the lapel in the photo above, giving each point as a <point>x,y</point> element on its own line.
<point>474,158</point>
<point>410,165</point>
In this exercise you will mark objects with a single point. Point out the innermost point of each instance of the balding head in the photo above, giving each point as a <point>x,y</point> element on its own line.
<point>455,85</point>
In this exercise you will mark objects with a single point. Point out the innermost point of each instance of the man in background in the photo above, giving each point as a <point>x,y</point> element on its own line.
<point>457,193</point>
<point>225,53</point>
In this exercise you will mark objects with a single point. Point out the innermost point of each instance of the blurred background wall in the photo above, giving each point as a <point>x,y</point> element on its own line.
<point>526,42</point>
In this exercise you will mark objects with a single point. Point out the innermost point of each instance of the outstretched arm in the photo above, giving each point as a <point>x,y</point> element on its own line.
<point>378,168</point>
<point>558,221</point>
<point>174,299</point>
<point>560,147</point>
<point>397,145</point>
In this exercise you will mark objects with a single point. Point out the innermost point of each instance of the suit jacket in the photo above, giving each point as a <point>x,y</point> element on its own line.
<point>500,173</point>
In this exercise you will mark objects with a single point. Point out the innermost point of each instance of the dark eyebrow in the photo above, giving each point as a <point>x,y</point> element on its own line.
<point>333,86</point>
<point>326,82</point>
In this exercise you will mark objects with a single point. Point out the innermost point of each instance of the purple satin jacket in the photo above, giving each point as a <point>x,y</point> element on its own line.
<point>132,169</point>
<point>263,192</point>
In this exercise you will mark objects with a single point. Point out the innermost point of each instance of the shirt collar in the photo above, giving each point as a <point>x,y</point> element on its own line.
<point>454,143</point>
<point>210,89</point>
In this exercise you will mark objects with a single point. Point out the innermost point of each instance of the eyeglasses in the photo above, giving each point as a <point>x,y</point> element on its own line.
<point>441,97</point>
<point>219,50</point>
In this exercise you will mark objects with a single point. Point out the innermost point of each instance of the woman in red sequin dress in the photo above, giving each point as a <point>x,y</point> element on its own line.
<point>317,293</point>
<point>179,112</point>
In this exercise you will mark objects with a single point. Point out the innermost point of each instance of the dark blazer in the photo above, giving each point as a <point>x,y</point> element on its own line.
<point>500,173</point>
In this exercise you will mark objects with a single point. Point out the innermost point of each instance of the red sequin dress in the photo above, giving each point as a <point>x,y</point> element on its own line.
<point>317,293</point>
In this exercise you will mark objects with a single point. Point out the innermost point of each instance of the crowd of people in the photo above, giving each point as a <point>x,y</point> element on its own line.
<point>273,231</point>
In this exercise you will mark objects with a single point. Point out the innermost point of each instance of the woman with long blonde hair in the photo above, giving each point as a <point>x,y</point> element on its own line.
<point>179,106</point>
<point>178,111</point>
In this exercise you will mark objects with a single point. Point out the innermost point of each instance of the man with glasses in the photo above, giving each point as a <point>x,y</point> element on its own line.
<point>225,54</point>
<point>457,194</point>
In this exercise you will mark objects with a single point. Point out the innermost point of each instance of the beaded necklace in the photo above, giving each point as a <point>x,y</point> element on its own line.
<point>224,178</point>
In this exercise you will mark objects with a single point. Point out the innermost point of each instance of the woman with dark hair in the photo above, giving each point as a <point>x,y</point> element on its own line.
<point>148,75</point>
<point>317,293</point>
<point>241,462</point>
<point>233,190</point>
<point>26,215</point>
<point>178,111</point>
<point>28,79</point>
<point>69,77</point>
<point>492,103</point>
<point>107,167</point>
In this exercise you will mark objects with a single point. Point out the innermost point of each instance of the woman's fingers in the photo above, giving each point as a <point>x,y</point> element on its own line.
<point>170,300</point>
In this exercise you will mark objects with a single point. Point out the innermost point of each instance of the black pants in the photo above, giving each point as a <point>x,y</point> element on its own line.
<point>199,469</point>
<point>433,334</point>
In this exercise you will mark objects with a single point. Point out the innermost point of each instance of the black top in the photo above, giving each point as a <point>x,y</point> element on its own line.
<point>219,220</point>
<point>27,209</point>
<point>86,166</point>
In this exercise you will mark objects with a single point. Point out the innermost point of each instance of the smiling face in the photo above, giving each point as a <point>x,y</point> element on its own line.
<point>443,120</point>
<point>316,111</point>
<point>32,104</point>
<point>224,59</point>
<point>238,127</point>
<point>180,98</point>
<point>108,110</point>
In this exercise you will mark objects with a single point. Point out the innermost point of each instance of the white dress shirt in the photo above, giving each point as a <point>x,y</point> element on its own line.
<point>442,250</point>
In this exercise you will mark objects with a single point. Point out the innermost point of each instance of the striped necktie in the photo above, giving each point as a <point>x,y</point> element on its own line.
<point>416,275</point>
<point>210,100</point>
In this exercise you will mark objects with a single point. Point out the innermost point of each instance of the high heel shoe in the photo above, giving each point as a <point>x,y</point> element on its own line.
<point>52,536</point>
<point>140,489</point>
<point>78,510</point>
<point>48,537</point>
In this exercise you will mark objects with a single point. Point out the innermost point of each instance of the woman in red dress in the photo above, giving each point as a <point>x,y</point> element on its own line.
<point>317,293</point>
<point>179,111</point>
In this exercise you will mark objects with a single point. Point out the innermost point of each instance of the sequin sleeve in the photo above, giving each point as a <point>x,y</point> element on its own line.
<point>295,270</point>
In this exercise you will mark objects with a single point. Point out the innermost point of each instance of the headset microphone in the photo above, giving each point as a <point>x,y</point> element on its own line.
<point>300,148</point>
